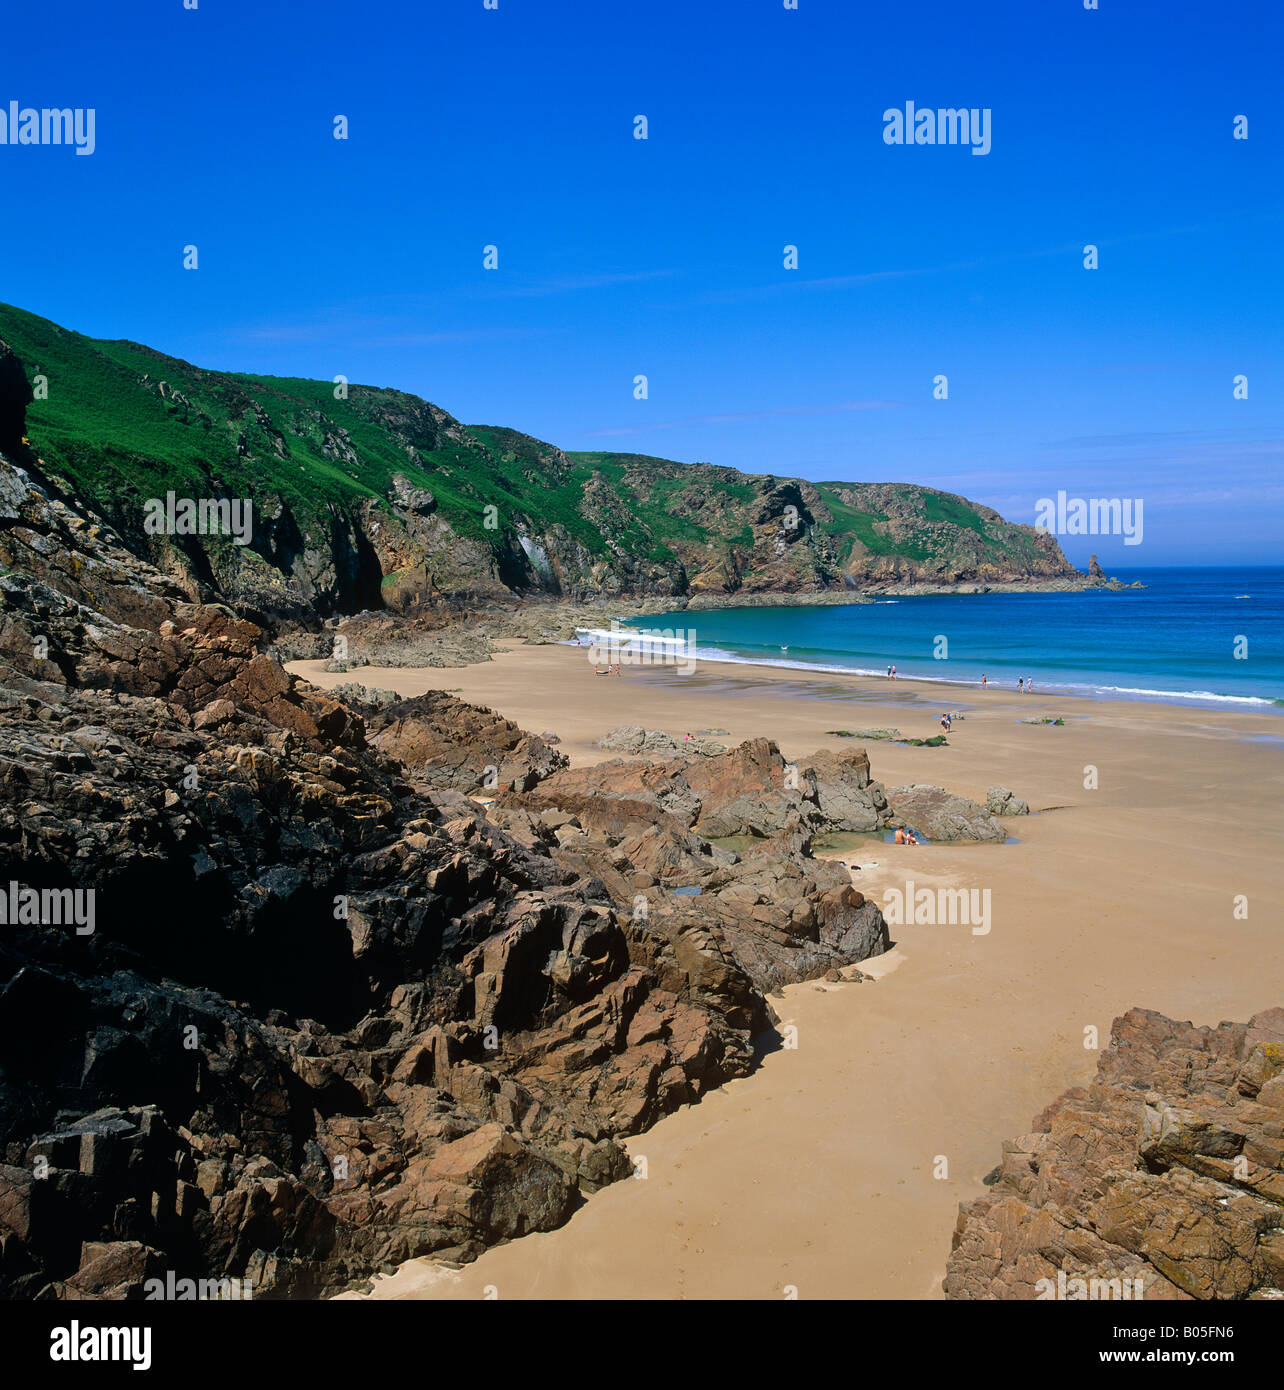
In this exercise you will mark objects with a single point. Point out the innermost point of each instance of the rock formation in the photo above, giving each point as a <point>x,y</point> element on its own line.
<point>1167,1172</point>
<point>328,1015</point>
<point>999,801</point>
<point>941,815</point>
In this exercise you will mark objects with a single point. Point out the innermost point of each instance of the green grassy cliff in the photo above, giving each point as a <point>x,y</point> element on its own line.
<point>370,497</point>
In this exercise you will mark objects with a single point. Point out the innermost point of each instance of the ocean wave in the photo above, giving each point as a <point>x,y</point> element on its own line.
<point>1047,686</point>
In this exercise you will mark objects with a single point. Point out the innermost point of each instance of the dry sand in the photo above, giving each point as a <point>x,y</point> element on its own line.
<point>819,1173</point>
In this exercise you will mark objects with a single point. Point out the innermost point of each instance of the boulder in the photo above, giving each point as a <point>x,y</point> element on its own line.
<point>1001,802</point>
<point>941,815</point>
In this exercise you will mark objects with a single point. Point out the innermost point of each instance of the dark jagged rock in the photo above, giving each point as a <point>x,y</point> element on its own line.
<point>15,396</point>
<point>330,1016</point>
<point>749,790</point>
<point>1168,1171</point>
<point>642,829</point>
<point>452,744</point>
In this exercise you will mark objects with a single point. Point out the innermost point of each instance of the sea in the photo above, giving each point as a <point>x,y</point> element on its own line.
<point>1202,637</point>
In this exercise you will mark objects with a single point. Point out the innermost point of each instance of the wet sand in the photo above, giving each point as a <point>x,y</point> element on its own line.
<point>836,1168</point>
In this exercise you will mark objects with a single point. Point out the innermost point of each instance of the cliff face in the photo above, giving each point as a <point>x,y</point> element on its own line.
<point>366,497</point>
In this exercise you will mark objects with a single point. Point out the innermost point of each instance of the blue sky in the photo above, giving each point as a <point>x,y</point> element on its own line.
<point>663,257</point>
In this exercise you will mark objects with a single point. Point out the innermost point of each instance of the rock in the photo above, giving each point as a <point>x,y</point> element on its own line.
<point>940,815</point>
<point>391,1023</point>
<point>15,396</point>
<point>1164,1173</point>
<point>450,744</point>
<point>633,738</point>
<point>1001,802</point>
<point>373,971</point>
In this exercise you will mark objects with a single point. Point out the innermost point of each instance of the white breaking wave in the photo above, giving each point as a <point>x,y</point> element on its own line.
<point>1046,686</point>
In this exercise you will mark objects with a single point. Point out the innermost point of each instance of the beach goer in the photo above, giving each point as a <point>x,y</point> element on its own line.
<point>945,723</point>
<point>1020,684</point>
<point>899,837</point>
<point>889,673</point>
<point>949,721</point>
<point>893,672</point>
<point>982,680</point>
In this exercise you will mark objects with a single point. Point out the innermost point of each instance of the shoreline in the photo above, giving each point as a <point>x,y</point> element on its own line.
<point>375,676</point>
<point>1137,695</point>
<point>817,1170</point>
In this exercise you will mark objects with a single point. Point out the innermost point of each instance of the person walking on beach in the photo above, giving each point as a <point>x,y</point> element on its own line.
<point>889,673</point>
<point>893,672</point>
<point>1020,684</point>
<point>982,678</point>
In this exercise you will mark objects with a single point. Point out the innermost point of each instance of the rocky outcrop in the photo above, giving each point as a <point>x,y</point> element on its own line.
<point>633,738</point>
<point>941,815</point>
<point>330,1016</point>
<point>642,830</point>
<point>448,743</point>
<point>1167,1173</point>
<point>1001,802</point>
<point>749,790</point>
<point>1097,578</point>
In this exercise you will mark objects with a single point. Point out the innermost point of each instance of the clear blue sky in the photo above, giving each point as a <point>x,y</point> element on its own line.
<point>664,257</point>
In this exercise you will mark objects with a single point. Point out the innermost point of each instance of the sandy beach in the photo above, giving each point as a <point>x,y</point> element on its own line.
<point>836,1169</point>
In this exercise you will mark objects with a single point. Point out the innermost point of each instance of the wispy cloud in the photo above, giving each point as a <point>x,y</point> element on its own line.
<point>368,334</point>
<point>571,284</point>
<point>742,417</point>
<point>791,284</point>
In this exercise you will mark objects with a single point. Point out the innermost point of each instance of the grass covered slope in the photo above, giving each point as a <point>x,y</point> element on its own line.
<point>367,497</point>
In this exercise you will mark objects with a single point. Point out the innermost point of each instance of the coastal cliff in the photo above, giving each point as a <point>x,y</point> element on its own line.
<point>371,498</point>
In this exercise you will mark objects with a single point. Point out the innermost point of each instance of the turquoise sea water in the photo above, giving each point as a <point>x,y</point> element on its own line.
<point>1174,641</point>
